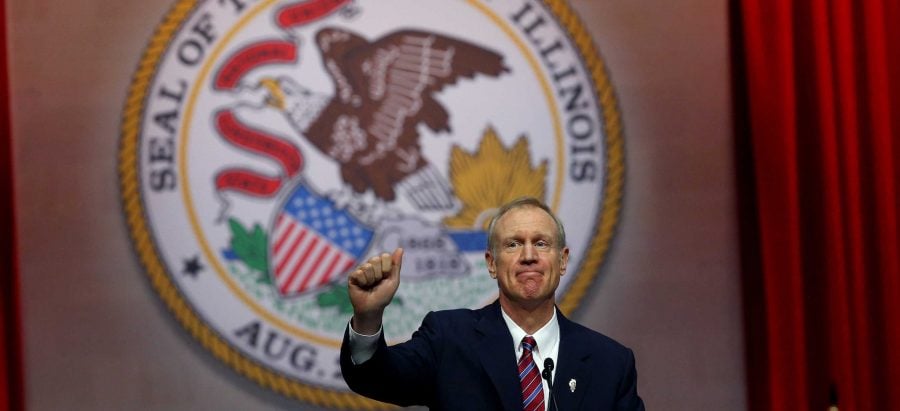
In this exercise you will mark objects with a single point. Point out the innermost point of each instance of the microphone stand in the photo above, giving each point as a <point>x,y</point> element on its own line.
<point>548,375</point>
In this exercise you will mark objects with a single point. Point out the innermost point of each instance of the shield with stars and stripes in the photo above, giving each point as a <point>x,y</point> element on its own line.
<point>313,242</point>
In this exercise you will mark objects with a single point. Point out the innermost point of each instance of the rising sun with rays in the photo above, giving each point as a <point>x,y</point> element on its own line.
<point>490,176</point>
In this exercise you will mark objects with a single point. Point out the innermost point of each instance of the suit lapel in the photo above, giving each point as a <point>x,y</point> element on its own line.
<point>494,350</point>
<point>572,365</point>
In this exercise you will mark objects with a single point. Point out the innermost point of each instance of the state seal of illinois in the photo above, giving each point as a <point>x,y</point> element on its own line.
<point>269,146</point>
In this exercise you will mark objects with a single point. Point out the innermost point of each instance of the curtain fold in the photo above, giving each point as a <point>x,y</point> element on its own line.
<point>817,94</point>
<point>11,392</point>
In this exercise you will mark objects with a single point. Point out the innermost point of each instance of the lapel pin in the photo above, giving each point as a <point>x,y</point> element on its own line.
<point>572,385</point>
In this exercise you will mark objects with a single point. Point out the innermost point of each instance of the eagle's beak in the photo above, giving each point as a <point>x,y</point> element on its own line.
<point>276,95</point>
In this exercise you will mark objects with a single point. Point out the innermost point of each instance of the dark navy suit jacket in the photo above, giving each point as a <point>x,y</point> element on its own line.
<point>464,360</point>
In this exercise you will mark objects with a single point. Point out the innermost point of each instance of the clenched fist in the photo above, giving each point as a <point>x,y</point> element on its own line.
<point>372,285</point>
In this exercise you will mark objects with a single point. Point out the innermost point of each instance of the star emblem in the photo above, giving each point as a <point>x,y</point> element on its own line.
<point>192,266</point>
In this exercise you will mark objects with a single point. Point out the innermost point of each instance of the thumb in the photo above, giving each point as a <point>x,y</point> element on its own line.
<point>397,260</point>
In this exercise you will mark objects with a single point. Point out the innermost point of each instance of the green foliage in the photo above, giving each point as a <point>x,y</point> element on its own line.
<point>250,246</point>
<point>338,296</point>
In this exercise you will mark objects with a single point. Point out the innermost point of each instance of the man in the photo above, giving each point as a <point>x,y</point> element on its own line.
<point>490,359</point>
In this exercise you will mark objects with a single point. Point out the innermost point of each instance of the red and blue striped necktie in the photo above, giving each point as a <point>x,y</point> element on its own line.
<point>530,378</point>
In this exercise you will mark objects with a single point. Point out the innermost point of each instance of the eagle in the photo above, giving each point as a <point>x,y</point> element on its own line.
<point>383,91</point>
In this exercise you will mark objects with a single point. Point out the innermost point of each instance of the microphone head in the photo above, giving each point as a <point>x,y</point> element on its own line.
<point>548,369</point>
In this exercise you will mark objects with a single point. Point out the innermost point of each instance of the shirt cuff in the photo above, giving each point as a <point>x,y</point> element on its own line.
<point>362,347</point>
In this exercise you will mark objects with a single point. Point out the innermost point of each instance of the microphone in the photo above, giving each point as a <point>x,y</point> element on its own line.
<point>548,370</point>
<point>548,375</point>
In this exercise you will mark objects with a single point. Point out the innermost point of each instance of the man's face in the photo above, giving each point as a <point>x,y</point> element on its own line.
<point>527,262</point>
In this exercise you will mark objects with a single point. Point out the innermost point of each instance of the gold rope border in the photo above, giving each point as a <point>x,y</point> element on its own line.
<point>615,159</point>
<point>129,183</point>
<point>145,248</point>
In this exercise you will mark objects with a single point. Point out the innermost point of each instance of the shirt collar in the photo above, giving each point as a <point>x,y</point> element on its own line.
<point>547,337</point>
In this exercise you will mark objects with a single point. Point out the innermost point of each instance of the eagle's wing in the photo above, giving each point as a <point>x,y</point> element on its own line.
<point>334,46</point>
<point>384,89</point>
<point>398,74</point>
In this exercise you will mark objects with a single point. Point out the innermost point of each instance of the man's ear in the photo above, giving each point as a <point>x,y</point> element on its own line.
<point>563,260</point>
<point>492,268</point>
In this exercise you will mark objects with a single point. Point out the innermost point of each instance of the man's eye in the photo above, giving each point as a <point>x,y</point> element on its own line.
<point>542,244</point>
<point>512,245</point>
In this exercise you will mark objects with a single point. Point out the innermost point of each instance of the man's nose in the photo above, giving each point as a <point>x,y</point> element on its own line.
<point>529,254</point>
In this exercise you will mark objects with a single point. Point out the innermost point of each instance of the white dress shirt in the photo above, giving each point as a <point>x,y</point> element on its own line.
<point>547,339</point>
<point>362,347</point>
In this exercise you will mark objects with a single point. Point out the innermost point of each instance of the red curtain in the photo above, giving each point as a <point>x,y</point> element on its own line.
<point>817,84</point>
<point>11,392</point>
